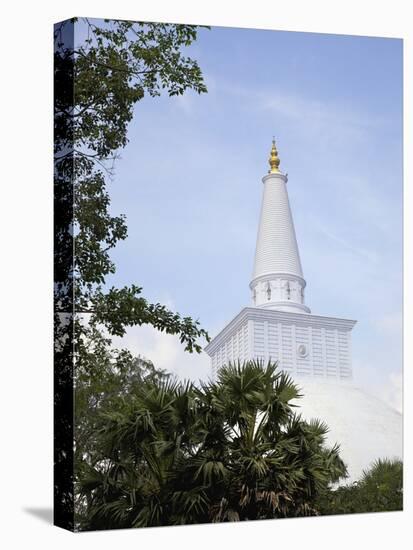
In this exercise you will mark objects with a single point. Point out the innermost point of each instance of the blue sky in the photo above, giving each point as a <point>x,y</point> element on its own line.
<point>189,182</point>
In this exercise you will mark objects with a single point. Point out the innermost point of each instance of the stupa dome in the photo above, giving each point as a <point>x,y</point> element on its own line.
<point>365,427</point>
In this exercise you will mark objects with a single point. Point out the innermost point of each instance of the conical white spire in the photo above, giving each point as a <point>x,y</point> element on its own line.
<point>277,280</point>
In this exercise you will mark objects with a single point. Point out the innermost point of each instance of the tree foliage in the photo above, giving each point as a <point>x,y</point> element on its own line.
<point>231,450</point>
<point>97,84</point>
<point>98,80</point>
<point>380,489</point>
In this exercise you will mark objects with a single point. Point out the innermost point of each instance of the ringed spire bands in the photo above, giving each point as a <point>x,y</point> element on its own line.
<point>277,280</point>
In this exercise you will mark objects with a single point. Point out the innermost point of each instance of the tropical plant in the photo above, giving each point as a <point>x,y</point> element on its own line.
<point>380,489</point>
<point>231,450</point>
<point>107,374</point>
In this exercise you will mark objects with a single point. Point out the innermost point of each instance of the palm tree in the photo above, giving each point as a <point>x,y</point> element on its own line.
<point>230,450</point>
<point>141,442</point>
<point>262,459</point>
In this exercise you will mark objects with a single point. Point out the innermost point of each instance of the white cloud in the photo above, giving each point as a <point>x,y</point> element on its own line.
<point>376,367</point>
<point>386,386</point>
<point>396,394</point>
<point>392,390</point>
<point>166,352</point>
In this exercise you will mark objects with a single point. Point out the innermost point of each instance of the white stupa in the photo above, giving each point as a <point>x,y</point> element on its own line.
<point>315,350</point>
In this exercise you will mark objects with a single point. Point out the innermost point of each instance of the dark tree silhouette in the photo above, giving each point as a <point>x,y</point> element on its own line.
<point>97,84</point>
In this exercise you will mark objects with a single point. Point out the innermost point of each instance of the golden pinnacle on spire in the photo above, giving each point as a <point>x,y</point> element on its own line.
<point>273,161</point>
